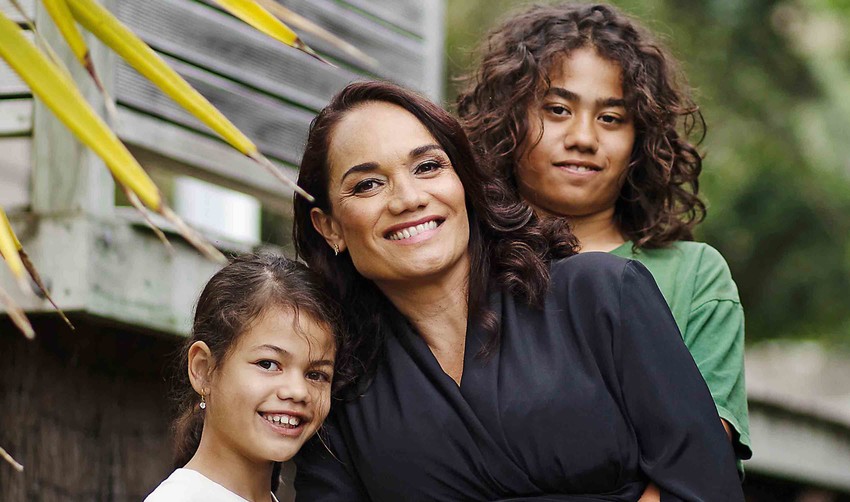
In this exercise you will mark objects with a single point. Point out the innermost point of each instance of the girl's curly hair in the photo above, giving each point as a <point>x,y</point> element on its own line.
<point>659,201</point>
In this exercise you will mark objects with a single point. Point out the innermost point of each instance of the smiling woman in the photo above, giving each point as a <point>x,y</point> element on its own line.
<point>488,367</point>
<point>255,380</point>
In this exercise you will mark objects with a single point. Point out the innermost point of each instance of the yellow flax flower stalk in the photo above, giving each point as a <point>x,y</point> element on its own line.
<point>9,248</point>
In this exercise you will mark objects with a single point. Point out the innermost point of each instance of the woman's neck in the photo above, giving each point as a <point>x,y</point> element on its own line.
<point>438,309</point>
<point>248,479</point>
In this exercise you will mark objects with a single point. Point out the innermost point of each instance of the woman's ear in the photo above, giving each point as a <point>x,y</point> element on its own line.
<point>201,364</point>
<point>327,226</point>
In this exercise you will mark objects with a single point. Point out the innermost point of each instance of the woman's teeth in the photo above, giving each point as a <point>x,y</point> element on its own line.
<point>412,231</point>
<point>285,420</point>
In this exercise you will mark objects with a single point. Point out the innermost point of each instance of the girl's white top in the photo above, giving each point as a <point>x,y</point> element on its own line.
<point>186,485</point>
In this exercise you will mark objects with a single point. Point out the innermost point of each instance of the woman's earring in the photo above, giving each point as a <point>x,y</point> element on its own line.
<point>203,404</point>
<point>336,249</point>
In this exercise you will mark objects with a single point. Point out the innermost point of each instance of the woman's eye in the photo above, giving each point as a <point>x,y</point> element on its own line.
<point>268,365</point>
<point>428,167</point>
<point>366,185</point>
<point>318,376</point>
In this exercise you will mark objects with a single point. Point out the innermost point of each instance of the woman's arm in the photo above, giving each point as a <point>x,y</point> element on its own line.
<point>683,447</point>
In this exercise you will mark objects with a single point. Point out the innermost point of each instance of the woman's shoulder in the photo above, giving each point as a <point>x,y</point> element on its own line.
<point>186,485</point>
<point>591,272</point>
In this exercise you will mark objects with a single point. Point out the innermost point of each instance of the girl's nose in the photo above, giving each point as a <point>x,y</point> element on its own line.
<point>294,388</point>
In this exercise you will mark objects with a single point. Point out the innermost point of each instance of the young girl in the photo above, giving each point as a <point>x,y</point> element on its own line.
<point>583,113</point>
<point>255,381</point>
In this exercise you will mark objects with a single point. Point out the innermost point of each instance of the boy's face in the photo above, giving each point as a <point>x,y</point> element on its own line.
<point>586,138</point>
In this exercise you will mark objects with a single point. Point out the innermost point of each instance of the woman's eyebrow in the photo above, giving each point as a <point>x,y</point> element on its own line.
<point>360,168</point>
<point>371,166</point>
<point>571,96</point>
<point>419,150</point>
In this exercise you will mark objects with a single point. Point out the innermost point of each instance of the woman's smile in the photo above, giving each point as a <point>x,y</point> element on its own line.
<point>415,232</point>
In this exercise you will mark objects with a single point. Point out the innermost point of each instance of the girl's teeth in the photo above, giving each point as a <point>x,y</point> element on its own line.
<point>286,420</point>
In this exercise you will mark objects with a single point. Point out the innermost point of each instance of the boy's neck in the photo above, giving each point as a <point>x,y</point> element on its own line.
<point>595,232</point>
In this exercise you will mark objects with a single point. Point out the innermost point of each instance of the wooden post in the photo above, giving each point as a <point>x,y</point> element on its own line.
<point>68,178</point>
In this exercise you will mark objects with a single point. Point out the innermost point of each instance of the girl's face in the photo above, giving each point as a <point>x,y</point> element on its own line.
<point>586,137</point>
<point>272,391</point>
<point>397,203</point>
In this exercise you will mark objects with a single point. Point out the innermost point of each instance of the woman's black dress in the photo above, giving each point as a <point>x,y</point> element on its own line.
<point>586,399</point>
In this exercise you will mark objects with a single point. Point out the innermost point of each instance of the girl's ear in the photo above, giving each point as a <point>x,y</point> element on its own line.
<point>201,364</point>
<point>328,227</point>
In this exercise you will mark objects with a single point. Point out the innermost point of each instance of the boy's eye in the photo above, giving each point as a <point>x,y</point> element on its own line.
<point>558,110</point>
<point>269,365</point>
<point>318,376</point>
<point>611,119</point>
<point>366,185</point>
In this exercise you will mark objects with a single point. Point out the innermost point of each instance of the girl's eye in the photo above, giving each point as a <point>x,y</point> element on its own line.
<point>366,185</point>
<point>269,365</point>
<point>429,166</point>
<point>318,376</point>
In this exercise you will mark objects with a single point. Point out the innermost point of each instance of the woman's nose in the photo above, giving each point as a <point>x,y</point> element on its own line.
<point>406,196</point>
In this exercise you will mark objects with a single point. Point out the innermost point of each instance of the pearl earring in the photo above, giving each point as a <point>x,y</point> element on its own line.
<point>203,404</point>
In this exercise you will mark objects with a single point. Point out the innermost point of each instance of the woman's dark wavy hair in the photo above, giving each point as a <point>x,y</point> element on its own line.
<point>659,202</point>
<point>234,298</point>
<point>508,243</point>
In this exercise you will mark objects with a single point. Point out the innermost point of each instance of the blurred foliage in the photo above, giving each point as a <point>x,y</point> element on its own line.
<point>773,81</point>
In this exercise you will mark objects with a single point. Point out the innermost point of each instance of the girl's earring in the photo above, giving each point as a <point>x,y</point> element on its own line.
<point>336,249</point>
<point>203,404</point>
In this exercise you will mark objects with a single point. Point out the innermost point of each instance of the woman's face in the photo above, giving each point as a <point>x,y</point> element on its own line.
<point>586,137</point>
<point>397,203</point>
<point>272,391</point>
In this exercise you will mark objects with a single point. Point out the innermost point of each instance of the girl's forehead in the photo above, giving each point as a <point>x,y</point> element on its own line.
<point>289,329</point>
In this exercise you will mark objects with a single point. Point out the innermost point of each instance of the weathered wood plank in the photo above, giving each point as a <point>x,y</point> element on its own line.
<point>406,14</point>
<point>15,117</point>
<point>400,57</point>
<point>14,170</point>
<point>156,143</point>
<point>10,83</point>
<point>7,8</point>
<point>230,47</point>
<point>279,129</point>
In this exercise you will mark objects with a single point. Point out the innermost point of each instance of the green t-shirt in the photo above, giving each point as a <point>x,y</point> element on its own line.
<point>697,284</point>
